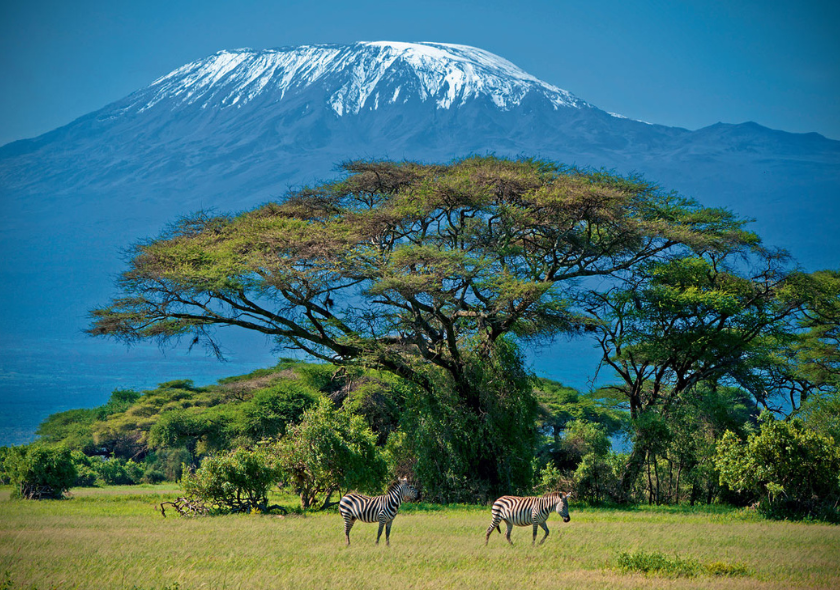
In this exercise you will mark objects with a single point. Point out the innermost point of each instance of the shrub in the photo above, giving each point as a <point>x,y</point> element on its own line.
<point>551,479</point>
<point>39,472</point>
<point>656,563</point>
<point>167,462</point>
<point>237,481</point>
<point>790,469</point>
<point>86,473</point>
<point>4,475</point>
<point>271,411</point>
<point>329,451</point>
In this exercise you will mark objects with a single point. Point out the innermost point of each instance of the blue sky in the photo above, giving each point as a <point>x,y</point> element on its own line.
<point>681,63</point>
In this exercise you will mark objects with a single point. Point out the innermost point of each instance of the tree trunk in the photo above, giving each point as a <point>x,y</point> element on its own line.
<point>632,469</point>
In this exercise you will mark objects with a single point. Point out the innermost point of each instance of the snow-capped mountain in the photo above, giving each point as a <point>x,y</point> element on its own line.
<point>237,128</point>
<point>359,76</point>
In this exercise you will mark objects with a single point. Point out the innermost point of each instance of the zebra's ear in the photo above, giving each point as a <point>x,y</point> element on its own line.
<point>567,495</point>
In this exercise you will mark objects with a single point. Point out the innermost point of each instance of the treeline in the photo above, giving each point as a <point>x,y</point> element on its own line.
<point>320,430</point>
<point>154,435</point>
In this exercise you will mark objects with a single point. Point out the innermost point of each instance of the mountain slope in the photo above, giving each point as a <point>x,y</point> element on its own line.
<point>232,130</point>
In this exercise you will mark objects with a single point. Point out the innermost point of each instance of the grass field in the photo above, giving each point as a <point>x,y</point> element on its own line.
<point>114,538</point>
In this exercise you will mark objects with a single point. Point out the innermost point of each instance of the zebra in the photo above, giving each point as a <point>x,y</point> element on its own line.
<point>531,510</point>
<point>381,509</point>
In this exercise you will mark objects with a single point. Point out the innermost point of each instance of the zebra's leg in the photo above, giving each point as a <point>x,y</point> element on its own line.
<point>388,533</point>
<point>534,536</point>
<point>509,529</point>
<point>379,534</point>
<point>545,528</point>
<point>493,525</point>
<point>348,524</point>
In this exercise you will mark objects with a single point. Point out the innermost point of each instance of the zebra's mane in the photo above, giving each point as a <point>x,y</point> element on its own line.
<point>393,486</point>
<point>551,495</point>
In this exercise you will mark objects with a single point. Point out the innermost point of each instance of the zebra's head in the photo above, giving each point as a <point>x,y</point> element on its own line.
<point>408,491</point>
<point>563,506</point>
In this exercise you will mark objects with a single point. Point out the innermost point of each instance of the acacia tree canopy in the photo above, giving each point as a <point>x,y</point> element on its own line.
<point>403,265</point>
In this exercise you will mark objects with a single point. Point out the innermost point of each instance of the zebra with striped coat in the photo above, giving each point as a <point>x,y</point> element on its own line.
<point>530,510</point>
<point>381,509</point>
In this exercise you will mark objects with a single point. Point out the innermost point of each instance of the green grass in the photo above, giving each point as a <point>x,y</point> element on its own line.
<point>115,538</point>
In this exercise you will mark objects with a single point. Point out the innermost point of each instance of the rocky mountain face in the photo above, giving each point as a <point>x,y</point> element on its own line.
<point>237,128</point>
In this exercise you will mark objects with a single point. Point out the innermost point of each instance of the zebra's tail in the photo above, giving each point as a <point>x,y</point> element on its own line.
<point>498,528</point>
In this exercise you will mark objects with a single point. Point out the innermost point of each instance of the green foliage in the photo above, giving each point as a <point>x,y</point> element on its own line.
<point>657,563</point>
<point>550,479</point>
<point>237,481</point>
<point>271,411</point>
<point>40,472</point>
<point>467,455</point>
<point>166,464</point>
<point>71,428</point>
<point>598,470</point>
<point>790,469</point>
<point>822,414</point>
<point>329,451</point>
<point>4,474</point>
<point>560,405</point>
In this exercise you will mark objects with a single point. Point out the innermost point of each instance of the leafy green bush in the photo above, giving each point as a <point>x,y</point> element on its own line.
<point>86,474</point>
<point>237,481</point>
<point>4,475</point>
<point>117,472</point>
<point>39,471</point>
<point>656,563</point>
<point>271,411</point>
<point>328,452</point>
<point>166,464</point>
<point>790,469</point>
<point>551,479</point>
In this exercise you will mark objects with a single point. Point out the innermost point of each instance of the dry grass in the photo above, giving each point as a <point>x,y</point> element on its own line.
<point>114,539</point>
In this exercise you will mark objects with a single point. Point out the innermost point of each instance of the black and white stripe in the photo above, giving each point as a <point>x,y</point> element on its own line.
<point>381,509</point>
<point>529,510</point>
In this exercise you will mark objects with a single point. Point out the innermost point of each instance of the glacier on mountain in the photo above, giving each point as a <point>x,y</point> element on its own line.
<point>447,74</point>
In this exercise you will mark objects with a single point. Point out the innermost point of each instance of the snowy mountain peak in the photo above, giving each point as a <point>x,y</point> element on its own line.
<point>364,75</point>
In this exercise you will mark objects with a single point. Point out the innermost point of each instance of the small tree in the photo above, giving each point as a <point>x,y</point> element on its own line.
<point>329,451</point>
<point>237,481</point>
<point>39,472</point>
<point>788,467</point>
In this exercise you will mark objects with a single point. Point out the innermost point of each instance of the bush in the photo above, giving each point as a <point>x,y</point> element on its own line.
<point>166,464</point>
<point>656,563</point>
<point>271,411</point>
<point>330,451</point>
<point>790,469</point>
<point>551,479</point>
<point>237,481</point>
<point>40,472</point>
<point>4,475</point>
<point>86,474</point>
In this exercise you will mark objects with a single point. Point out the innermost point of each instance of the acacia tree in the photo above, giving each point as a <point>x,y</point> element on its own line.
<point>705,319</point>
<point>408,267</point>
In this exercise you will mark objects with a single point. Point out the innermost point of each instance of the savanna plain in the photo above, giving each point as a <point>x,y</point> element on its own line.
<point>117,538</point>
